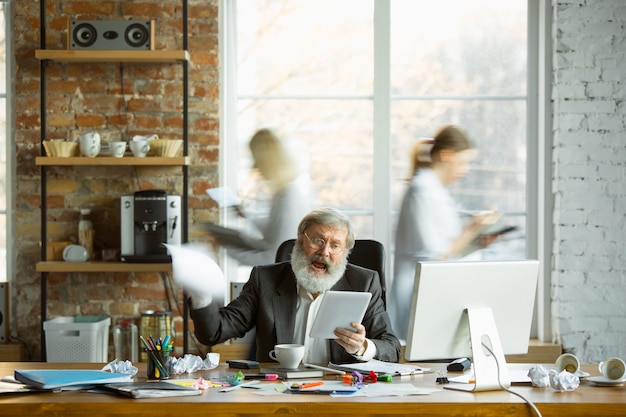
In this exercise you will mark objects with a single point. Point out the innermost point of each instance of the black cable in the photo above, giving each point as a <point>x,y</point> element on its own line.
<point>530,403</point>
<point>29,356</point>
<point>171,289</point>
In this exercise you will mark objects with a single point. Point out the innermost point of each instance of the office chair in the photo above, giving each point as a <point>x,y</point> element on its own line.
<point>366,253</point>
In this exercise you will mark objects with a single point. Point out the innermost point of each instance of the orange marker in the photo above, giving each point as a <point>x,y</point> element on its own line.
<point>308,385</point>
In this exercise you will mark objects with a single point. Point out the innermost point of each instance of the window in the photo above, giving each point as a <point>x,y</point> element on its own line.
<point>356,81</point>
<point>318,72</point>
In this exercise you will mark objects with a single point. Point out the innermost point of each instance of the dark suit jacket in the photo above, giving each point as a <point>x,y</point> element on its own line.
<point>268,301</point>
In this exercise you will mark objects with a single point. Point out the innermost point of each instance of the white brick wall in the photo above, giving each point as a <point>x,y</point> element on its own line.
<point>589,179</point>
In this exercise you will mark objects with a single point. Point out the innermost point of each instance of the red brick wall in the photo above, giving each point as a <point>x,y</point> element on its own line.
<point>88,97</point>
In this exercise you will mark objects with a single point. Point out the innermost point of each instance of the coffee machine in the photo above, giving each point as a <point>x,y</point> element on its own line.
<point>149,219</point>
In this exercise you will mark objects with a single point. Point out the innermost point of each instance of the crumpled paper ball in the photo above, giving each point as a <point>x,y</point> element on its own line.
<point>559,381</point>
<point>191,363</point>
<point>563,381</point>
<point>121,367</point>
<point>539,376</point>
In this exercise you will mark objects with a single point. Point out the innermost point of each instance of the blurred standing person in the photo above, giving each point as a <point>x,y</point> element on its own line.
<point>429,225</point>
<point>291,198</point>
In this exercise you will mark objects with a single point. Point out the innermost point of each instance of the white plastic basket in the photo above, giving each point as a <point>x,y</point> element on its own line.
<point>77,339</point>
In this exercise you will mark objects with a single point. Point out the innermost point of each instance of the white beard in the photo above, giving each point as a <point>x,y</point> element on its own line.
<point>312,281</point>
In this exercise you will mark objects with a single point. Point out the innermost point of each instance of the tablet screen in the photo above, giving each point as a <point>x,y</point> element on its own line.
<point>339,309</point>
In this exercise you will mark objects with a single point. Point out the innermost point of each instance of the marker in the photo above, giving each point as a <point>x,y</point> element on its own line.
<point>267,377</point>
<point>307,385</point>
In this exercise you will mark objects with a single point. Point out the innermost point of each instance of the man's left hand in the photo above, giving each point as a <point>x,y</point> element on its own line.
<point>351,341</point>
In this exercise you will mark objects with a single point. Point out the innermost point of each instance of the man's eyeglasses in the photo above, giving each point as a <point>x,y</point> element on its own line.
<point>318,243</point>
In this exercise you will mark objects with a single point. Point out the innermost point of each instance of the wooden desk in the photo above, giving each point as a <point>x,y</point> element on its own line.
<point>587,400</point>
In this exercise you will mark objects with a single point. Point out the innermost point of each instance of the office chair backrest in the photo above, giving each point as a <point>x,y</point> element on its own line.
<point>366,253</point>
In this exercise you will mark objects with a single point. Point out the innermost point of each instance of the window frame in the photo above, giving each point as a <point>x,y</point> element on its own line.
<point>9,148</point>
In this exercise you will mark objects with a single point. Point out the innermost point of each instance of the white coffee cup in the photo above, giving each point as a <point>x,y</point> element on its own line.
<point>289,355</point>
<point>89,144</point>
<point>613,369</point>
<point>118,148</point>
<point>568,362</point>
<point>139,148</point>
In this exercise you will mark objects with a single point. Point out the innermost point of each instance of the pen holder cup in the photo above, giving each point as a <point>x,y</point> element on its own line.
<point>158,366</point>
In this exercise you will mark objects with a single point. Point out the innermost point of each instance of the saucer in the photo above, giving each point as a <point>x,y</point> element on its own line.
<point>582,374</point>
<point>602,381</point>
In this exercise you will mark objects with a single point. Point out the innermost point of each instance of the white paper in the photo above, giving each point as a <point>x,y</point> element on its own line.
<point>223,196</point>
<point>380,367</point>
<point>196,271</point>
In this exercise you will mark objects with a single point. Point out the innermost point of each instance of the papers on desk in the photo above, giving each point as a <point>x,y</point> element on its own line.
<point>15,387</point>
<point>380,367</point>
<point>518,374</point>
<point>156,389</point>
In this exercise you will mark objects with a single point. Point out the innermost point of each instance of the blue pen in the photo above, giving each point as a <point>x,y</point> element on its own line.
<point>166,340</point>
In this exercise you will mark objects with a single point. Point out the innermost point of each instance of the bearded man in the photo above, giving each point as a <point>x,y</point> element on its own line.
<point>281,300</point>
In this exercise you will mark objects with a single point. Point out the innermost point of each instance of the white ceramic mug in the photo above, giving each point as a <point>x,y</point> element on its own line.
<point>568,362</point>
<point>289,355</point>
<point>613,369</point>
<point>117,149</point>
<point>89,144</point>
<point>139,148</point>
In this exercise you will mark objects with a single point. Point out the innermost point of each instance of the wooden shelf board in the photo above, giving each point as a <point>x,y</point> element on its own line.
<point>62,266</point>
<point>62,55</point>
<point>109,160</point>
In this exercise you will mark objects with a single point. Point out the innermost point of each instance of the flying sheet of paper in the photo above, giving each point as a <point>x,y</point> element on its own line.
<point>196,271</point>
<point>224,196</point>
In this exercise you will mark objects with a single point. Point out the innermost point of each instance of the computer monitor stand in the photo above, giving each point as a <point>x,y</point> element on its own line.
<point>483,331</point>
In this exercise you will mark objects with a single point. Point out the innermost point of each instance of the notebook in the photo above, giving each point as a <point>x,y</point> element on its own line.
<point>61,378</point>
<point>287,373</point>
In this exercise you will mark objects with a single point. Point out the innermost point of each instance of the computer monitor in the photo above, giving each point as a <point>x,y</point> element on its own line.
<point>459,306</point>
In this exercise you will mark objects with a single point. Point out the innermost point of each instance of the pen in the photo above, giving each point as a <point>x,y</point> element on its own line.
<point>245,384</point>
<point>323,368</point>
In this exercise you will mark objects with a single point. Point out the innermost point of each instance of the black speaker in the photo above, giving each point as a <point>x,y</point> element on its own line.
<point>111,35</point>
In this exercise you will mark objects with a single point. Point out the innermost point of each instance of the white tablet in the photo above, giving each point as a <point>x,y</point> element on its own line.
<point>339,309</point>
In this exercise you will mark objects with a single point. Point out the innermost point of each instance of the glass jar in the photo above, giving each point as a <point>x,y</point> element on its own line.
<point>86,232</point>
<point>126,338</point>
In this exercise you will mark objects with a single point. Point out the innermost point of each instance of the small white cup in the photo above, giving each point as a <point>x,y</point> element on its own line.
<point>567,362</point>
<point>139,148</point>
<point>89,144</point>
<point>613,369</point>
<point>289,355</point>
<point>118,149</point>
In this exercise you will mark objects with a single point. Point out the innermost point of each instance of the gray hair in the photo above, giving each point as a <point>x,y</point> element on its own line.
<point>328,216</point>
